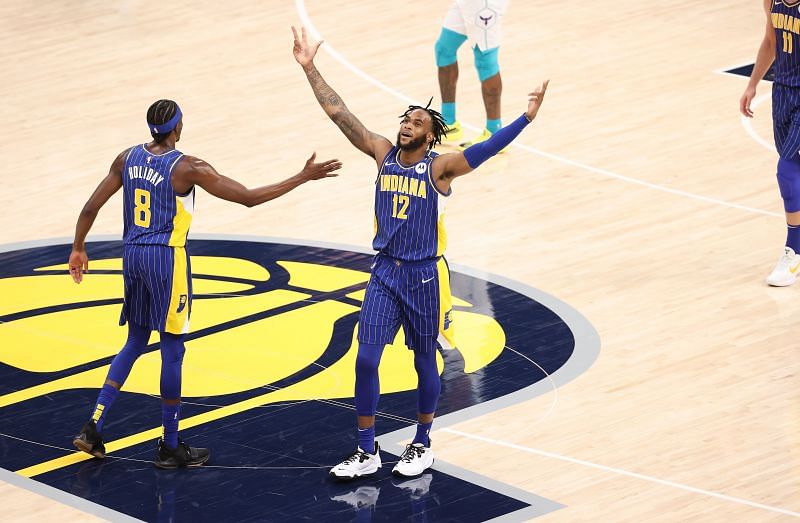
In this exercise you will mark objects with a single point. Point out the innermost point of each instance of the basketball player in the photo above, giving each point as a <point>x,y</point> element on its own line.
<point>479,22</point>
<point>158,183</point>
<point>409,285</point>
<point>779,45</point>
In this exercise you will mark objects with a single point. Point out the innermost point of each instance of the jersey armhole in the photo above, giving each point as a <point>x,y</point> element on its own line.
<point>383,162</point>
<point>433,183</point>
<point>171,170</point>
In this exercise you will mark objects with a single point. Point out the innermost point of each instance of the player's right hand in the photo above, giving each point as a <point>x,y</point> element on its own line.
<point>746,100</point>
<point>316,171</point>
<point>78,264</point>
<point>304,51</point>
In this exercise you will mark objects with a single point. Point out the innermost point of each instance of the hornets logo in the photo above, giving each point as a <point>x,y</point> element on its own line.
<point>268,376</point>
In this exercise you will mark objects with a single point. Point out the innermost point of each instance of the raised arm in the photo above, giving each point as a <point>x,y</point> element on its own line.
<point>192,171</point>
<point>446,167</point>
<point>365,140</point>
<point>78,259</point>
<point>764,59</point>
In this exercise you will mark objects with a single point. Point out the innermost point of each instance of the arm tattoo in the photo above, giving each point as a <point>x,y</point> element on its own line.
<point>337,111</point>
<point>351,128</point>
<point>326,96</point>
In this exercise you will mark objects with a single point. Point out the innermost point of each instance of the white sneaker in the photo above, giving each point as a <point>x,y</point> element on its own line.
<point>358,464</point>
<point>362,497</point>
<point>785,272</point>
<point>415,459</point>
<point>416,487</point>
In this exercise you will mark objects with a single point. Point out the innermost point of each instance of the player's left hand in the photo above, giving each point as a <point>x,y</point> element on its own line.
<point>317,171</point>
<point>535,100</point>
<point>78,264</point>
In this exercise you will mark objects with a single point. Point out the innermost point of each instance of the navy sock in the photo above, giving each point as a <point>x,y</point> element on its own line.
<point>366,439</point>
<point>104,400</point>
<point>170,414</point>
<point>793,237</point>
<point>423,433</point>
<point>121,366</point>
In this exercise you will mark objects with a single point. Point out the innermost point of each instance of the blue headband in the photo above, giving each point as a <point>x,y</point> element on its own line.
<point>169,126</point>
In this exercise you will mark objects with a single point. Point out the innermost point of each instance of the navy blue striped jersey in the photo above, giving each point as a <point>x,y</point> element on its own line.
<point>154,214</point>
<point>786,21</point>
<point>409,210</point>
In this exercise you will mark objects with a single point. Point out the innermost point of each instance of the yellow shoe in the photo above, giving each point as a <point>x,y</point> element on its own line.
<point>454,133</point>
<point>485,135</point>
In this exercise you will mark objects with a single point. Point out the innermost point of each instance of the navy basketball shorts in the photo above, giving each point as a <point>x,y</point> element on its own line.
<point>158,287</point>
<point>786,120</point>
<point>414,295</point>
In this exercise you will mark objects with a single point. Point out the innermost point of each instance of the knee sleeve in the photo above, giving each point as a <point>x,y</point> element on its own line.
<point>368,387</point>
<point>429,385</point>
<point>446,47</point>
<point>172,351</point>
<point>486,62</point>
<point>789,184</point>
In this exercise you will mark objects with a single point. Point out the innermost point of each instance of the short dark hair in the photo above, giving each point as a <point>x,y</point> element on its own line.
<point>160,113</point>
<point>437,121</point>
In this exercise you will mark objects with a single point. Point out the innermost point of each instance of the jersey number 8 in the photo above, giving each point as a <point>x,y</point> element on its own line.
<point>141,212</point>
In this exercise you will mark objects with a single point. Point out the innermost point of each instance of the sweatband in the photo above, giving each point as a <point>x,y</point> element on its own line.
<point>168,126</point>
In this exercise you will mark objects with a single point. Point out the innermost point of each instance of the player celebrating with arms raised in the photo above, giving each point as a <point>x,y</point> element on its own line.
<point>409,285</point>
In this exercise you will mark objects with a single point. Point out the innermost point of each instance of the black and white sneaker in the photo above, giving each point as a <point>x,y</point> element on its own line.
<point>181,456</point>
<point>358,464</point>
<point>414,461</point>
<point>89,440</point>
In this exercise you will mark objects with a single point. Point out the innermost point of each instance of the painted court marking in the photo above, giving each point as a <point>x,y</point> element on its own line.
<point>748,122</point>
<point>622,472</point>
<point>301,10</point>
<point>303,13</point>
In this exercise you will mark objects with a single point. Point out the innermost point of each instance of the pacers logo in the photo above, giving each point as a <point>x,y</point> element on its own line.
<point>271,323</point>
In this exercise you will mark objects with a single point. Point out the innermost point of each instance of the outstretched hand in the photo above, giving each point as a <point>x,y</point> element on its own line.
<point>316,171</point>
<point>304,51</point>
<point>535,100</point>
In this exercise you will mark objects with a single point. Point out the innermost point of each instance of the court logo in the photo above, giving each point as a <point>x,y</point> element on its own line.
<point>273,324</point>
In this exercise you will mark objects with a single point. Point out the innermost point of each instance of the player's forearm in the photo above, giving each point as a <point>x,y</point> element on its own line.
<point>480,152</point>
<point>764,59</point>
<point>338,112</point>
<point>270,192</point>
<point>85,221</point>
<point>328,99</point>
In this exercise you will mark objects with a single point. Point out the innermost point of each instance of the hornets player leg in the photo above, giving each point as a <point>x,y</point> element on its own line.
<point>158,184</point>
<point>409,285</point>
<point>479,22</point>
<point>781,36</point>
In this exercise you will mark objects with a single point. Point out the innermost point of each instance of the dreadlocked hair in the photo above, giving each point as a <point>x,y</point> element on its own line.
<point>437,121</point>
<point>159,113</point>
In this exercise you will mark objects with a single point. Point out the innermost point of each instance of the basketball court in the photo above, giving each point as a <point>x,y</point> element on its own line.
<point>620,357</point>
